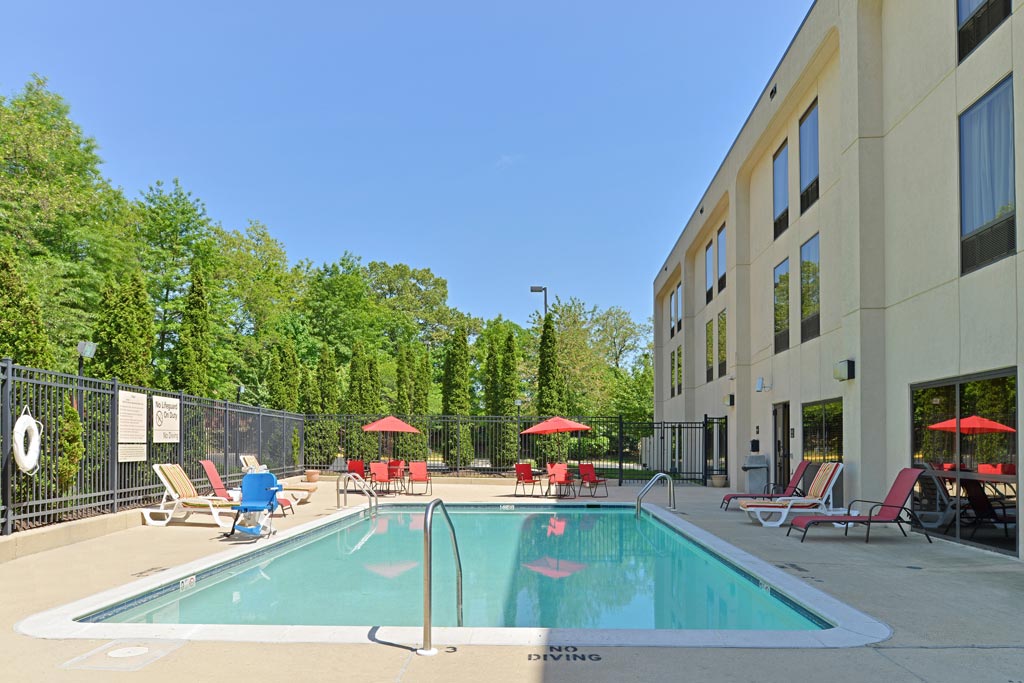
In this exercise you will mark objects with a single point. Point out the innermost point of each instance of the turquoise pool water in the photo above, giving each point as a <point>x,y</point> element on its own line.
<point>531,566</point>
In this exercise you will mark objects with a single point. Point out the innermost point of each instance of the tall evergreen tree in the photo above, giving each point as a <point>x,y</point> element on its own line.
<point>424,380</point>
<point>327,382</point>
<point>492,379</point>
<point>281,384</point>
<point>22,336</point>
<point>190,363</point>
<point>549,384</point>
<point>309,395</point>
<point>508,392</point>
<point>455,399</point>
<point>124,332</point>
<point>70,448</point>
<point>404,380</point>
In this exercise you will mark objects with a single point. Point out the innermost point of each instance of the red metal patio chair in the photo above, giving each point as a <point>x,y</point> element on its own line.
<point>524,476</point>
<point>590,480</point>
<point>380,477</point>
<point>889,511</point>
<point>418,474</point>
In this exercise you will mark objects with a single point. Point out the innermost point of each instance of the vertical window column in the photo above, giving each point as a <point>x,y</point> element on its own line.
<point>721,259</point>
<point>809,157</point>
<point>709,350</point>
<point>780,189</point>
<point>781,306</point>
<point>721,344</point>
<point>810,290</point>
<point>709,271</point>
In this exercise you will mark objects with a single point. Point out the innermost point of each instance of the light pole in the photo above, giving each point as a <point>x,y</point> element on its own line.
<point>537,288</point>
<point>86,349</point>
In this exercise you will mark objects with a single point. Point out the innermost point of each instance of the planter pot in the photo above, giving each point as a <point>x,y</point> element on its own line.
<point>719,480</point>
<point>312,475</point>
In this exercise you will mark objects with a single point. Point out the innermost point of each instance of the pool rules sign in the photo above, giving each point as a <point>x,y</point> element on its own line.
<point>131,426</point>
<point>166,420</point>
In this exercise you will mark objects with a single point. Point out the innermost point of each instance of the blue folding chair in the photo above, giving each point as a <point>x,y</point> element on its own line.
<point>255,509</point>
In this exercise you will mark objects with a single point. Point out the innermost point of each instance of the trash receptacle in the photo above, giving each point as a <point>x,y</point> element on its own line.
<point>756,467</point>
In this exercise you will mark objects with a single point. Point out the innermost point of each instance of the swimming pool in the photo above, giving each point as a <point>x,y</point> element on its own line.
<point>579,575</point>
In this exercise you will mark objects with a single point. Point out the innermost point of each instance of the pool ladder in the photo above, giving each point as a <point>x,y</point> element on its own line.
<point>362,485</point>
<point>650,485</point>
<point>428,524</point>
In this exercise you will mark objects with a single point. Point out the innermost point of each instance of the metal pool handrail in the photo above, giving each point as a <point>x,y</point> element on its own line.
<point>428,522</point>
<point>362,486</point>
<point>650,484</point>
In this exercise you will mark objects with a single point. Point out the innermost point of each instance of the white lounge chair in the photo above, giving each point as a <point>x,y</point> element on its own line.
<point>181,497</point>
<point>818,499</point>
<point>300,491</point>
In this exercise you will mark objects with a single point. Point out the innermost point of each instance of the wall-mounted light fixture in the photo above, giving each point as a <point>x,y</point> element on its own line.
<point>729,400</point>
<point>844,370</point>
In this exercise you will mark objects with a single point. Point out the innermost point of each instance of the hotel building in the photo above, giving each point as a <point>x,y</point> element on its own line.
<point>850,283</point>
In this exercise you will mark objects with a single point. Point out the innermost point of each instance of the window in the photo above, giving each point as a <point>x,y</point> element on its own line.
<point>823,437</point>
<point>809,158</point>
<point>709,350</point>
<point>782,306</point>
<point>679,307</point>
<point>721,259</point>
<point>721,343</point>
<point>975,20</point>
<point>672,313</point>
<point>709,271</point>
<point>780,189</point>
<point>966,460</point>
<point>679,370</point>
<point>672,374</point>
<point>810,290</point>
<point>987,203</point>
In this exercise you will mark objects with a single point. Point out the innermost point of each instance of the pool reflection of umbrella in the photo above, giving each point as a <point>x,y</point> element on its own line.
<point>553,567</point>
<point>391,570</point>
<point>556,526</point>
<point>973,425</point>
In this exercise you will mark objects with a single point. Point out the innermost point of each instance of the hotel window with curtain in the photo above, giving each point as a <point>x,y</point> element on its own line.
<point>780,189</point>
<point>975,20</point>
<point>721,259</point>
<point>809,157</point>
<point>781,306</point>
<point>810,290</point>
<point>709,350</point>
<point>721,343</point>
<point>671,314</point>
<point>987,201</point>
<point>709,271</point>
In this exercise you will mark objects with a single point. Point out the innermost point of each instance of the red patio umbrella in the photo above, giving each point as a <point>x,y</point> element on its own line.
<point>554,425</point>
<point>390,424</point>
<point>553,567</point>
<point>972,425</point>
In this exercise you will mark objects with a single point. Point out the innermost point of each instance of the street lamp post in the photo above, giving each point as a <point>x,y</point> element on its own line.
<point>86,349</point>
<point>538,288</point>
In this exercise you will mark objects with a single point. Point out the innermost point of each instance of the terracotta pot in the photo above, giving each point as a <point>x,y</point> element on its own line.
<point>312,475</point>
<point>719,480</point>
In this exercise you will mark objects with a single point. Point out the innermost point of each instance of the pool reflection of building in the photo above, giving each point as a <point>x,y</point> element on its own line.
<point>848,280</point>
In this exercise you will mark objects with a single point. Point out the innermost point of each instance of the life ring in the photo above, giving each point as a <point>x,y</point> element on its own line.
<point>27,461</point>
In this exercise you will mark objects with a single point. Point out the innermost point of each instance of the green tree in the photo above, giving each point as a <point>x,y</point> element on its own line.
<point>492,379</point>
<point>424,381</point>
<point>508,394</point>
<point>124,332</point>
<point>309,396</point>
<point>455,399</point>
<point>21,325</point>
<point>634,391</point>
<point>190,363</point>
<point>549,381</point>
<point>282,388</point>
<point>70,448</point>
<point>327,382</point>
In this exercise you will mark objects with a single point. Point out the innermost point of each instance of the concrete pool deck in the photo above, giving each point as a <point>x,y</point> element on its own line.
<point>955,611</point>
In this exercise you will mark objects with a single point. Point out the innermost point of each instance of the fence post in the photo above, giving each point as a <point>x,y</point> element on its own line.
<point>259,434</point>
<point>114,482</point>
<point>458,444</point>
<point>227,432</point>
<point>704,443</point>
<point>181,429</point>
<point>5,455</point>
<point>620,449</point>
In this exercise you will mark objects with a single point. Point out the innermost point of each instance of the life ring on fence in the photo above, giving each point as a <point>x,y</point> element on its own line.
<point>27,461</point>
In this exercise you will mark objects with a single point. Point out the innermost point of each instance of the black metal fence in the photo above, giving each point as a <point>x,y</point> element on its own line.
<point>289,443</point>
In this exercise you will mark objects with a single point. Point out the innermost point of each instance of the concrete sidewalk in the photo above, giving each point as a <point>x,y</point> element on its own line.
<point>955,611</point>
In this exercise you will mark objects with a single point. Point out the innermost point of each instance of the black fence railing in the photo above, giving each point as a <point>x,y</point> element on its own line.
<point>105,481</point>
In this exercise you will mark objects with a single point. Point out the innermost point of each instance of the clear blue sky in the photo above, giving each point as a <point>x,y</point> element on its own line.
<point>502,145</point>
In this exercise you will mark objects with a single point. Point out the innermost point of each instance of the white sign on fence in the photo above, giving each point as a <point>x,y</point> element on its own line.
<point>166,420</point>
<point>131,417</point>
<point>131,452</point>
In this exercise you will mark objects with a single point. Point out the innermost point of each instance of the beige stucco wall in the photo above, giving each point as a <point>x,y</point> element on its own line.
<point>889,93</point>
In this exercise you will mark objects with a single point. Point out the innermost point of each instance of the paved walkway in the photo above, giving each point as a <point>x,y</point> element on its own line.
<point>957,612</point>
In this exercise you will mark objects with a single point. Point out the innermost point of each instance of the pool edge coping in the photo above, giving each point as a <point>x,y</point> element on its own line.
<point>852,628</point>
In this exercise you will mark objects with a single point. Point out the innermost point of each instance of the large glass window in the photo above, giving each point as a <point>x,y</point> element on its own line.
<point>810,290</point>
<point>809,157</point>
<point>780,189</point>
<point>782,306</point>
<point>709,350</point>
<point>823,438</point>
<point>671,313</point>
<point>976,19</point>
<point>679,307</point>
<point>672,374</point>
<point>679,370</point>
<point>721,258</point>
<point>709,271</point>
<point>987,205</point>
<point>721,343</point>
<point>968,490</point>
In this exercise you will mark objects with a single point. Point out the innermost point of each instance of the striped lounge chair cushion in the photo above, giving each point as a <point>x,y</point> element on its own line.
<point>199,502</point>
<point>180,484</point>
<point>780,505</point>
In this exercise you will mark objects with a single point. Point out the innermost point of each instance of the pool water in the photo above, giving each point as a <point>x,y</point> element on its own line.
<point>529,566</point>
